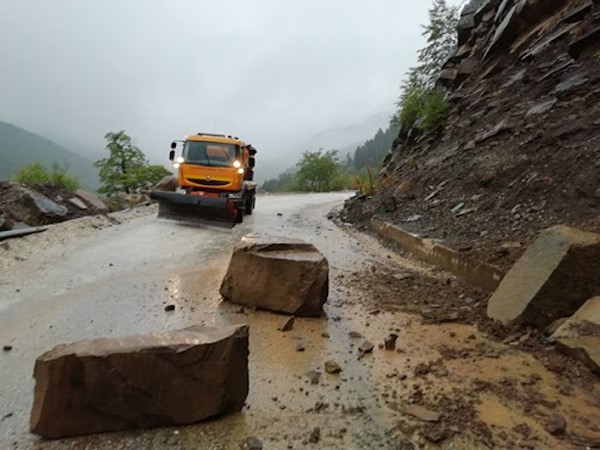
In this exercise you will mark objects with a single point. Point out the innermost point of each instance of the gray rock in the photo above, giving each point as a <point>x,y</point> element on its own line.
<point>144,381</point>
<point>45,206</point>
<point>252,443</point>
<point>78,202</point>
<point>572,82</point>
<point>542,107</point>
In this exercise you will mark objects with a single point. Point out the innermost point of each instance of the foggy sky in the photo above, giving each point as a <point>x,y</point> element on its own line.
<point>273,72</point>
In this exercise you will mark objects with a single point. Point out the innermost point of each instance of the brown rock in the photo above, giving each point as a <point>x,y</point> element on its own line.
<point>366,347</point>
<point>168,183</point>
<point>287,324</point>
<point>552,279</point>
<point>332,367</point>
<point>579,336</point>
<point>556,425</point>
<point>422,413</point>
<point>142,381</point>
<point>91,199</point>
<point>390,342</point>
<point>279,274</point>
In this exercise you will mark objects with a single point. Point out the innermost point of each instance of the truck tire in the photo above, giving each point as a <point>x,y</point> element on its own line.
<point>249,204</point>
<point>239,218</point>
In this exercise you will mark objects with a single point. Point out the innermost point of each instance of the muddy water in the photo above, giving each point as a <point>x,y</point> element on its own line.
<point>156,263</point>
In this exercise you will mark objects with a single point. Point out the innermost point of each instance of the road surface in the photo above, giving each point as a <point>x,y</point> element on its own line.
<point>90,278</point>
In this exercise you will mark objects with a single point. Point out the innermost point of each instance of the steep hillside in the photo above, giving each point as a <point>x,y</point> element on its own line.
<point>521,147</point>
<point>19,147</point>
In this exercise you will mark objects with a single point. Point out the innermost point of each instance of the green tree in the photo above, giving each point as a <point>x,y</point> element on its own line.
<point>35,174</point>
<point>422,103</point>
<point>320,172</point>
<point>126,168</point>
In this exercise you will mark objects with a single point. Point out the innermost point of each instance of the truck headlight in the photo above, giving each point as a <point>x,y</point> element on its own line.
<point>176,165</point>
<point>237,164</point>
<point>241,171</point>
<point>180,160</point>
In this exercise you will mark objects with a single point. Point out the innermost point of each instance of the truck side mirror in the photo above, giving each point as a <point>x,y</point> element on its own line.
<point>172,154</point>
<point>251,162</point>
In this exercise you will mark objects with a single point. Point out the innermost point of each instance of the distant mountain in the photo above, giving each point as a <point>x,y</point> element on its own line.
<point>19,148</point>
<point>345,139</point>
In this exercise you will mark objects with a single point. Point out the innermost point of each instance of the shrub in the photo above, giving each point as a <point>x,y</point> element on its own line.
<point>35,174</point>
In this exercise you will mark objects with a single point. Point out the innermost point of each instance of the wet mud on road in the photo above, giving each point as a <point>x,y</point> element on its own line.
<point>116,278</point>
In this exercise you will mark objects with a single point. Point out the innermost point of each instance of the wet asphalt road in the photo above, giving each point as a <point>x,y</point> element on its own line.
<point>116,282</point>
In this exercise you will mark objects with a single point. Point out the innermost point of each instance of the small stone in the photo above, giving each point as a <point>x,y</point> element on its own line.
<point>170,308</point>
<point>423,414</point>
<point>556,425</point>
<point>300,347</point>
<point>315,435</point>
<point>366,347</point>
<point>354,335</point>
<point>287,324</point>
<point>390,341</point>
<point>7,348</point>
<point>279,214</point>
<point>313,376</point>
<point>332,367</point>
<point>252,443</point>
<point>325,335</point>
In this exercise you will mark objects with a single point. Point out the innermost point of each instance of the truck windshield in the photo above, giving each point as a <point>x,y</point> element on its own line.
<point>209,153</point>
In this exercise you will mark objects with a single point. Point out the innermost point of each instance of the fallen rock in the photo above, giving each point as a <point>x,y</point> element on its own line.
<point>366,347</point>
<point>168,183</point>
<point>287,324</point>
<point>579,336</point>
<point>332,367</point>
<point>44,206</point>
<point>92,199</point>
<point>252,443</point>
<point>144,381</point>
<point>314,376</point>
<point>390,341</point>
<point>556,425</point>
<point>354,335</point>
<point>170,308</point>
<point>7,348</point>
<point>279,274</point>
<point>422,413</point>
<point>552,279</point>
<point>315,435</point>
<point>78,202</point>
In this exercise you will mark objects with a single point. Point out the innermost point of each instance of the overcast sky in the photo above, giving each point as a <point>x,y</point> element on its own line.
<point>273,72</point>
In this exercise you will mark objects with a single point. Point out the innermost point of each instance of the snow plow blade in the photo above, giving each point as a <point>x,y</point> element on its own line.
<point>196,210</point>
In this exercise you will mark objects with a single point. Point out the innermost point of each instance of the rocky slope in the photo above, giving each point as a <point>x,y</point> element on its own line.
<point>521,149</point>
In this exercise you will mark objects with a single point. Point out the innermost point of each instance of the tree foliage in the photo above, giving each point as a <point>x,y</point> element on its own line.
<point>126,169</point>
<point>422,103</point>
<point>35,174</point>
<point>319,172</point>
<point>372,152</point>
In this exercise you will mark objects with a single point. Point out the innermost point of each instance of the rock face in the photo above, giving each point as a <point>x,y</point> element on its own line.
<point>521,132</point>
<point>579,336</point>
<point>278,274</point>
<point>140,381</point>
<point>44,206</point>
<point>554,277</point>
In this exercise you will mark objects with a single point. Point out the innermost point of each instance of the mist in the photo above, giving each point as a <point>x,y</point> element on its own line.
<point>271,72</point>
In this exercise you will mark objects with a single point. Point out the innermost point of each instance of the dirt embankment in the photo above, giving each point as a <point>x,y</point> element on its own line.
<point>521,148</point>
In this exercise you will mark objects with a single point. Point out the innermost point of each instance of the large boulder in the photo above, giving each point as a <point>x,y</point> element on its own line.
<point>552,279</point>
<point>142,381</point>
<point>579,336</point>
<point>280,274</point>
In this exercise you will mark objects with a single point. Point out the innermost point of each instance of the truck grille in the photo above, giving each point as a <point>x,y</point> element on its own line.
<point>205,182</point>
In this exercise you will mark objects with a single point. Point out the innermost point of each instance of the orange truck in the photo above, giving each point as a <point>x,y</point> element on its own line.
<point>215,175</point>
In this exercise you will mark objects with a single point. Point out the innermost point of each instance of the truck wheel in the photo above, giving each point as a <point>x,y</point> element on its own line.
<point>249,204</point>
<point>239,218</point>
